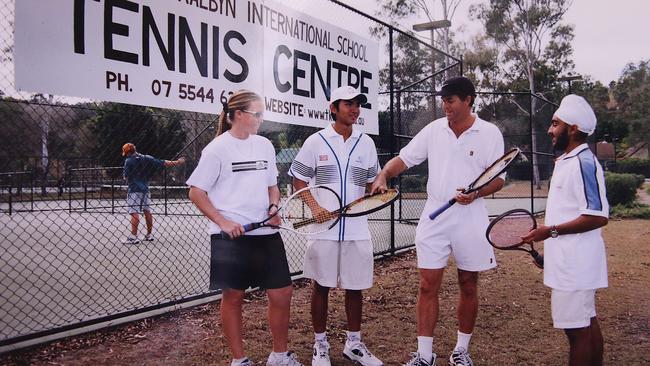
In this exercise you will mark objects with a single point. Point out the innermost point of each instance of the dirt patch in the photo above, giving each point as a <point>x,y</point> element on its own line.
<point>514,325</point>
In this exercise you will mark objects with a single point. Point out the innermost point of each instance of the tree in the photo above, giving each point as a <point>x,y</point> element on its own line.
<point>610,127</point>
<point>155,132</point>
<point>532,44</point>
<point>632,97</point>
<point>17,133</point>
<point>411,59</point>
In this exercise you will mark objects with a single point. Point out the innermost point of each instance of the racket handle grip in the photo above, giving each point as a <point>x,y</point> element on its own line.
<point>539,259</point>
<point>247,228</point>
<point>442,209</point>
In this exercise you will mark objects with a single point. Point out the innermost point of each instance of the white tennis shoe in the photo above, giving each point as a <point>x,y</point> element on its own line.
<point>358,352</point>
<point>131,240</point>
<point>245,362</point>
<point>460,357</point>
<point>288,359</point>
<point>148,237</point>
<point>321,355</point>
<point>417,360</point>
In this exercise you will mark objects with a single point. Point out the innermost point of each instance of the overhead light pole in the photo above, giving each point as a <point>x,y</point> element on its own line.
<point>432,26</point>
<point>569,79</point>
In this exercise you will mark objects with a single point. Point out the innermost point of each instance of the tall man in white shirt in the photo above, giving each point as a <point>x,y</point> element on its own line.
<point>345,160</point>
<point>575,263</point>
<point>458,147</point>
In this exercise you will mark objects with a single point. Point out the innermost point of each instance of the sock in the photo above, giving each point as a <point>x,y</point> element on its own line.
<point>425,347</point>
<point>320,337</point>
<point>353,336</point>
<point>463,341</point>
<point>237,361</point>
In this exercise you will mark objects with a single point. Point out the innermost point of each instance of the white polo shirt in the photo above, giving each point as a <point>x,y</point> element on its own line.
<point>453,161</point>
<point>576,261</point>
<point>344,166</point>
<point>236,174</point>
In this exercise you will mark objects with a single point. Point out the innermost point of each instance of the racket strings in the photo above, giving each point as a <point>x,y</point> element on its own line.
<point>372,203</point>
<point>309,211</point>
<point>496,169</point>
<point>508,230</point>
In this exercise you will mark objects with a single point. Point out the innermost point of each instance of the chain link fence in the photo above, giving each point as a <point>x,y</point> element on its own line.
<point>63,215</point>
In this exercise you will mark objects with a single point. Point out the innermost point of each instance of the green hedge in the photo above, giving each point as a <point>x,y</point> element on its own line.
<point>631,210</point>
<point>633,166</point>
<point>621,188</point>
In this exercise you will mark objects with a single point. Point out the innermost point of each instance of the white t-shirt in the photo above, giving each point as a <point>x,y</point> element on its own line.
<point>344,166</point>
<point>236,174</point>
<point>576,261</point>
<point>453,161</point>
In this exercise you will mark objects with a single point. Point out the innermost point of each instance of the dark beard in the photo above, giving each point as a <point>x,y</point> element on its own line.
<point>562,142</point>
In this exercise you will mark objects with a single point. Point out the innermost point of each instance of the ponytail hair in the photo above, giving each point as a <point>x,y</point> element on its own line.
<point>238,101</point>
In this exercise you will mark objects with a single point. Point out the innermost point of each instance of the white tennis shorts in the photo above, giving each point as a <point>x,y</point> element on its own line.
<point>572,309</point>
<point>344,264</point>
<point>461,231</point>
<point>138,202</point>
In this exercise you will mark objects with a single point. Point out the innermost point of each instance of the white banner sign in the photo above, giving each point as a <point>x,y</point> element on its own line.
<point>190,54</point>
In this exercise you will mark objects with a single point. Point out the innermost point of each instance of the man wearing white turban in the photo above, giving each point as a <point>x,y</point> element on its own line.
<point>575,263</point>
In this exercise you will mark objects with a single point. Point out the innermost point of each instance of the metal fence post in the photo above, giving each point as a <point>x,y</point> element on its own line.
<point>392,135</point>
<point>112,194</point>
<point>31,192</point>
<point>165,189</point>
<point>399,131</point>
<point>461,65</point>
<point>532,159</point>
<point>10,199</point>
<point>69,190</point>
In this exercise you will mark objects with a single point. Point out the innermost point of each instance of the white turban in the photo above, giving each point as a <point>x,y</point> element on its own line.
<point>575,110</point>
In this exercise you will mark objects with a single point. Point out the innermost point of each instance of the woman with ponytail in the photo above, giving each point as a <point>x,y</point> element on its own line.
<point>235,183</point>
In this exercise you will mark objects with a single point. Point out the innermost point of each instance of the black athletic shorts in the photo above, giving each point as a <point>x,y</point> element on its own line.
<point>248,261</point>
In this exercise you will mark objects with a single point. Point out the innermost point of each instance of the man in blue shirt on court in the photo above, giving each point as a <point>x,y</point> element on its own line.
<point>138,169</point>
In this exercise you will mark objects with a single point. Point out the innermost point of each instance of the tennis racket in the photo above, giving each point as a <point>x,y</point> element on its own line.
<point>313,204</point>
<point>491,173</point>
<point>506,230</point>
<point>362,206</point>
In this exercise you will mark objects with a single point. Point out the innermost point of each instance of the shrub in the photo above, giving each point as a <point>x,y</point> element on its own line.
<point>634,166</point>
<point>631,210</point>
<point>640,179</point>
<point>621,188</point>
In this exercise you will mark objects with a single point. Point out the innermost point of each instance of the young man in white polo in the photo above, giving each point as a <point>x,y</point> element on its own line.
<point>458,148</point>
<point>575,263</point>
<point>345,160</point>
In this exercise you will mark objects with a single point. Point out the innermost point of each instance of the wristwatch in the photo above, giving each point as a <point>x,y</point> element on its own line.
<point>554,233</point>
